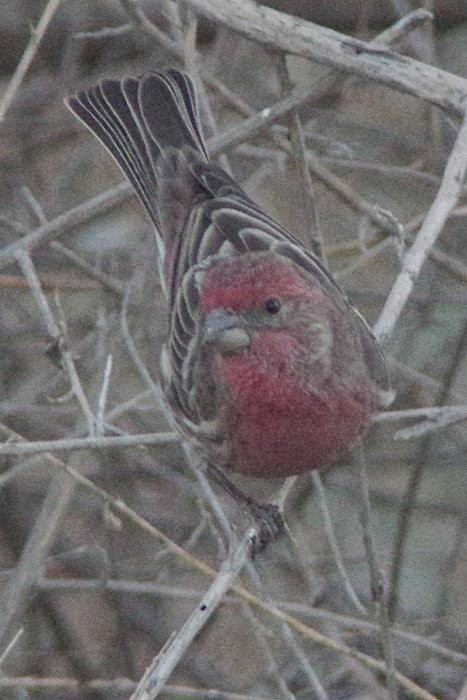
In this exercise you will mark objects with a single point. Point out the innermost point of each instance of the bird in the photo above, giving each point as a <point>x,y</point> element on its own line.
<point>267,369</point>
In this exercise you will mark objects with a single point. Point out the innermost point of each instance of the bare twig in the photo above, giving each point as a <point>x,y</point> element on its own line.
<point>289,34</point>
<point>437,417</point>
<point>100,427</point>
<point>15,596</point>
<point>25,448</point>
<point>105,201</point>
<point>117,686</point>
<point>138,588</point>
<point>377,583</point>
<point>330,534</point>
<point>143,371</point>
<point>37,35</point>
<point>56,335</point>
<point>303,629</point>
<point>299,152</point>
<point>159,671</point>
<point>11,644</point>
<point>67,222</point>
<point>413,260</point>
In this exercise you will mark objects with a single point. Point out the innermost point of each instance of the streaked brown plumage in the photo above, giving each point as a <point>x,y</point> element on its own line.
<point>267,368</point>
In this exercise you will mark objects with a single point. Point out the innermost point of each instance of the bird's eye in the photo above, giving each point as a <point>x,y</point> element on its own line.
<point>272,306</point>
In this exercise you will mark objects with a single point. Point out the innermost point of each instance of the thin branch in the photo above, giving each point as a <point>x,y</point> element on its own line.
<point>116,687</point>
<point>332,540</point>
<point>102,402</point>
<point>56,335</point>
<point>311,219</point>
<point>377,583</point>
<point>11,644</point>
<point>308,632</point>
<point>290,34</point>
<point>437,417</point>
<point>444,202</point>
<point>96,206</point>
<point>15,596</point>
<point>67,444</point>
<point>105,201</point>
<point>143,588</point>
<point>37,35</point>
<point>141,368</point>
<point>158,672</point>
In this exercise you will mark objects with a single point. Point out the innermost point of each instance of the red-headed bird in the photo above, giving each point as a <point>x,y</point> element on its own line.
<point>267,369</point>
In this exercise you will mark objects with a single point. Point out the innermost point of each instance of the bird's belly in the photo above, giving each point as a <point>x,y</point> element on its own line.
<point>275,428</point>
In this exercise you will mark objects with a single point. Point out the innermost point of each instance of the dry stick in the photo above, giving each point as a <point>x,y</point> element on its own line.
<point>131,587</point>
<point>377,583</point>
<point>303,666</point>
<point>15,596</point>
<point>388,36</point>
<point>444,202</point>
<point>380,217</point>
<point>413,486</point>
<point>428,383</point>
<point>55,334</point>
<point>455,267</point>
<point>429,426</point>
<point>301,628</point>
<point>64,223</point>
<point>159,671</point>
<point>433,413</point>
<point>294,645</point>
<point>295,36</point>
<point>299,152</point>
<point>140,21</point>
<point>106,280</point>
<point>437,417</point>
<point>36,37</point>
<point>116,687</point>
<point>105,32</point>
<point>114,285</point>
<point>332,540</point>
<point>47,282</point>
<point>102,401</point>
<point>141,368</point>
<point>262,643</point>
<point>106,201</point>
<point>11,644</point>
<point>92,442</point>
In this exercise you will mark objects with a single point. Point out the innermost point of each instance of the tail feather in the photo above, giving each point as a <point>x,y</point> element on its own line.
<point>160,96</point>
<point>143,122</point>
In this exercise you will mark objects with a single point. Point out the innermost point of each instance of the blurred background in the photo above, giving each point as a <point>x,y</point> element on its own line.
<point>86,617</point>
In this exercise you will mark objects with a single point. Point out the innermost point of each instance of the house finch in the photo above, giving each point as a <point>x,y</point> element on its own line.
<point>267,369</point>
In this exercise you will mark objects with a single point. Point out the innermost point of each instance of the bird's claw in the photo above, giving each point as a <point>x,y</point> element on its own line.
<point>270,526</point>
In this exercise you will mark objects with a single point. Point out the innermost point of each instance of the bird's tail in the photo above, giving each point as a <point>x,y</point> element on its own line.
<point>150,126</point>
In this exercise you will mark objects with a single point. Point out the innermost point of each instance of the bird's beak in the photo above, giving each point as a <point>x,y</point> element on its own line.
<point>224,330</point>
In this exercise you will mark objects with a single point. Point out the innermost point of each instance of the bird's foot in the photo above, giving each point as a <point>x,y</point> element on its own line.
<point>270,525</point>
<point>270,521</point>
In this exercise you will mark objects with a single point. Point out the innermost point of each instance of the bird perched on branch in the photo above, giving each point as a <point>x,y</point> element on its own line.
<point>267,370</point>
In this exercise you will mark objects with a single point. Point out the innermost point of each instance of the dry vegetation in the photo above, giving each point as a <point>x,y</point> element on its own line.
<point>108,546</point>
